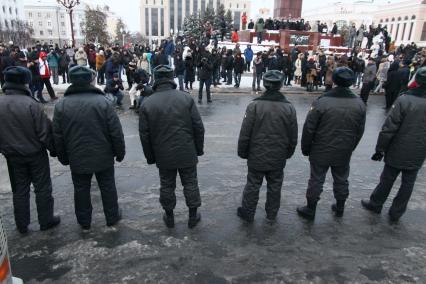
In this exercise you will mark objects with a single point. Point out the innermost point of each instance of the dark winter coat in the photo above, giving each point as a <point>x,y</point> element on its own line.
<point>393,84</point>
<point>404,77</point>
<point>268,135</point>
<point>403,135</point>
<point>206,68</point>
<point>333,128</point>
<point>87,131</point>
<point>189,70</point>
<point>229,62</point>
<point>239,65</point>
<point>113,86</point>
<point>25,130</point>
<point>179,67</point>
<point>170,128</point>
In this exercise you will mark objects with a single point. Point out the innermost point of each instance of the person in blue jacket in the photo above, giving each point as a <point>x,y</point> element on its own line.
<point>248,55</point>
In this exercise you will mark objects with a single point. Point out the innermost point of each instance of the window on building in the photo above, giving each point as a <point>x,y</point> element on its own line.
<point>195,8</point>
<point>403,31</point>
<point>4,9</point>
<point>187,7</point>
<point>411,31</point>
<point>381,20</point>
<point>16,11</point>
<point>391,28</point>
<point>423,36</point>
<point>63,33</point>
<point>162,21</point>
<point>10,10</point>
<point>62,24</point>
<point>154,2</point>
<point>244,6</point>
<point>50,32</point>
<point>161,2</point>
<point>237,19</point>
<point>12,23</point>
<point>147,21</point>
<point>179,12</point>
<point>387,20</point>
<point>413,17</point>
<point>154,20</point>
<point>40,23</point>
<point>31,24</point>
<point>230,5</point>
<point>30,15</point>
<point>146,2</point>
<point>172,14</point>
<point>393,19</point>
<point>62,16</point>
<point>49,24</point>
<point>41,33</point>
<point>39,14</point>
<point>203,6</point>
<point>6,23</point>
<point>406,18</point>
<point>396,33</point>
<point>47,15</point>
<point>238,6</point>
<point>399,19</point>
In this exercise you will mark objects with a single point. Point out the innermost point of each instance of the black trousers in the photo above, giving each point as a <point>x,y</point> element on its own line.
<point>274,181</point>
<point>207,83</point>
<point>22,172</point>
<point>317,179</point>
<point>188,177</point>
<point>45,81</point>
<point>82,200</point>
<point>365,91</point>
<point>387,179</point>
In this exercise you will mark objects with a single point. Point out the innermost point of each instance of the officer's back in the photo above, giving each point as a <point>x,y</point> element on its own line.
<point>334,127</point>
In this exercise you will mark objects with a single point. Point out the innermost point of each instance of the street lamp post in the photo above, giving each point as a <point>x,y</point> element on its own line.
<point>69,5</point>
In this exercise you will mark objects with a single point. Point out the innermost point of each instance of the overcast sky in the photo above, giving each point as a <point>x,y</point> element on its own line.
<point>128,10</point>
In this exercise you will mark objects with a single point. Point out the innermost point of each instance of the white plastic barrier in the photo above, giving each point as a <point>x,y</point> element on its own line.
<point>5,272</point>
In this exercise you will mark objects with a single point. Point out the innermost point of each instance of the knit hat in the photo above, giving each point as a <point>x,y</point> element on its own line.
<point>81,75</point>
<point>17,75</point>
<point>163,72</point>
<point>421,76</point>
<point>343,77</point>
<point>273,80</point>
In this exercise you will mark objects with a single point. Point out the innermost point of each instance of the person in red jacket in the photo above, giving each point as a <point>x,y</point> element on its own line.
<point>235,36</point>
<point>244,21</point>
<point>45,79</point>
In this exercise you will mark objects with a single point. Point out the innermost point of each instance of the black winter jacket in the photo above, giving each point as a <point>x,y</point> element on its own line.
<point>239,65</point>
<point>333,127</point>
<point>268,135</point>
<point>403,135</point>
<point>25,130</point>
<point>170,128</point>
<point>87,131</point>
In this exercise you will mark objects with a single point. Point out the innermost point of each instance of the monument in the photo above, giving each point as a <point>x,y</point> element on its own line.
<point>288,8</point>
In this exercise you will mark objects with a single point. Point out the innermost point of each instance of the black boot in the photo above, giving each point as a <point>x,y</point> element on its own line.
<point>242,213</point>
<point>133,106</point>
<point>169,219</point>
<point>308,212</point>
<point>338,208</point>
<point>194,218</point>
<point>371,207</point>
<point>55,221</point>
<point>117,219</point>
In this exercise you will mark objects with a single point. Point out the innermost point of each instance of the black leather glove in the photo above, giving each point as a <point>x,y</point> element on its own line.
<point>306,153</point>
<point>150,162</point>
<point>378,156</point>
<point>119,159</point>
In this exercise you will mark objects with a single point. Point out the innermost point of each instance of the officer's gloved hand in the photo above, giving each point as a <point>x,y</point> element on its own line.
<point>200,153</point>
<point>150,162</point>
<point>306,153</point>
<point>119,159</point>
<point>378,156</point>
<point>53,154</point>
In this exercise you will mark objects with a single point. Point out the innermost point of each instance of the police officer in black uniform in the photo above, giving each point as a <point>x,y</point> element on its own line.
<point>267,139</point>
<point>88,136</point>
<point>172,136</point>
<point>332,130</point>
<point>25,135</point>
<point>402,142</point>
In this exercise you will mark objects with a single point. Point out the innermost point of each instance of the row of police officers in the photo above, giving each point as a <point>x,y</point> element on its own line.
<point>86,134</point>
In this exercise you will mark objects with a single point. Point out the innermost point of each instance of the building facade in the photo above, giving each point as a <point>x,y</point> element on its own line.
<point>51,22</point>
<point>162,18</point>
<point>11,11</point>
<point>405,21</point>
<point>287,8</point>
<point>342,13</point>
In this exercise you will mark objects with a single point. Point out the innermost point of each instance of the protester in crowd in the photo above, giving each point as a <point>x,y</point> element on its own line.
<point>205,76</point>
<point>81,57</point>
<point>239,67</point>
<point>179,71</point>
<point>189,71</point>
<point>268,137</point>
<point>259,29</point>
<point>393,84</point>
<point>114,86</point>
<point>100,67</point>
<point>329,141</point>
<point>229,66</point>
<point>88,136</point>
<point>53,60</point>
<point>257,71</point>
<point>44,72</point>
<point>402,143</point>
<point>298,69</point>
<point>248,56</point>
<point>382,74</point>
<point>368,79</point>
<point>64,62</point>
<point>25,138</point>
<point>175,145</point>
